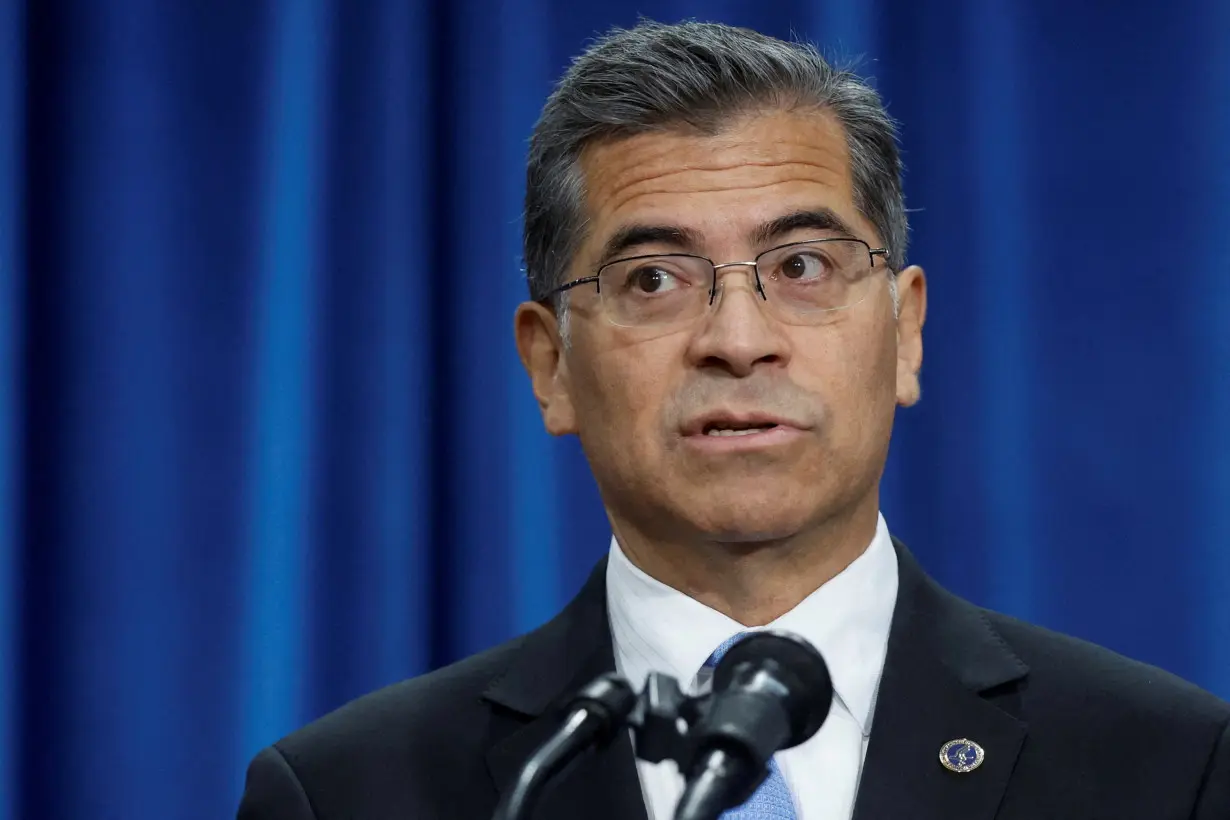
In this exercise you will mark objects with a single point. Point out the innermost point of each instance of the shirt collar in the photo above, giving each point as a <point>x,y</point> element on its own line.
<point>657,628</point>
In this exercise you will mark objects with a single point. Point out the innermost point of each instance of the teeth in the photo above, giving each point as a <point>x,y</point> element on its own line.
<point>747,432</point>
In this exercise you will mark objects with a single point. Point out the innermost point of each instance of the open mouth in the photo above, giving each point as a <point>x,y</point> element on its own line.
<point>735,429</point>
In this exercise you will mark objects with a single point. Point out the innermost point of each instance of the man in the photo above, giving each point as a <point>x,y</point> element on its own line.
<point>721,311</point>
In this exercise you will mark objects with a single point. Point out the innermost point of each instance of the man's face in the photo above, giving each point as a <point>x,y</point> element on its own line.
<point>646,403</point>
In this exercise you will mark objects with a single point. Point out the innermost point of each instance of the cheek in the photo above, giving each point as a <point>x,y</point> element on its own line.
<point>875,373</point>
<point>619,424</point>
<point>857,376</point>
<point>619,397</point>
<point>877,390</point>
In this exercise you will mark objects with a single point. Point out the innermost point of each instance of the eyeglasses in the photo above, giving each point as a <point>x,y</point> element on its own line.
<point>800,283</point>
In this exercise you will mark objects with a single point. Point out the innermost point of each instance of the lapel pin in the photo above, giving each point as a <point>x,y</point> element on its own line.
<point>961,755</point>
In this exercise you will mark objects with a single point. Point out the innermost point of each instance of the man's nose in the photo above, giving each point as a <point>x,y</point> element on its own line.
<point>738,334</point>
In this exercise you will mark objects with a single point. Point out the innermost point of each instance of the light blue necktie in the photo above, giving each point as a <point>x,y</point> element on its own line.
<point>772,800</point>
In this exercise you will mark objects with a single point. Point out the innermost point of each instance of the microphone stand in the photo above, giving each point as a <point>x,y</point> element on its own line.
<point>662,721</point>
<point>660,717</point>
<point>771,691</point>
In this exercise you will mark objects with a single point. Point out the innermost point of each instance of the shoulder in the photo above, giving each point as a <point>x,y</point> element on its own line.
<point>433,711</point>
<point>1047,678</point>
<point>1080,682</point>
<point>421,747</point>
<point>1099,715</point>
<point>411,749</point>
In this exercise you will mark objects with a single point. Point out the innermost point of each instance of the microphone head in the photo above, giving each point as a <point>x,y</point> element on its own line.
<point>796,664</point>
<point>609,699</point>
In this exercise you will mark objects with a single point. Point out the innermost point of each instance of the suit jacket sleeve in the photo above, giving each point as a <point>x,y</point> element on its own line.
<point>1214,800</point>
<point>273,792</point>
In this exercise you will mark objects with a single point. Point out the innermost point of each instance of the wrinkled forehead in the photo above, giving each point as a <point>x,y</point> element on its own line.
<point>758,167</point>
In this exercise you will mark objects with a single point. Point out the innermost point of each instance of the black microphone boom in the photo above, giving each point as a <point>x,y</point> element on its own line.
<point>771,691</point>
<point>594,716</point>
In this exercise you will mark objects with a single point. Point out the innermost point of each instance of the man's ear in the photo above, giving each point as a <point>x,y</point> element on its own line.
<point>911,314</point>
<point>542,353</point>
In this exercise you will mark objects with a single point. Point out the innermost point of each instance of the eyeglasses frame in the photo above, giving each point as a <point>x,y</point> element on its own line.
<point>596,278</point>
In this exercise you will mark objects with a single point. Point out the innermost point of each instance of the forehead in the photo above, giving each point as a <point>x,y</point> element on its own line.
<point>756,169</point>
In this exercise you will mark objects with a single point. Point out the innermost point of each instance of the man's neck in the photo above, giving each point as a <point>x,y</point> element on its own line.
<point>753,583</point>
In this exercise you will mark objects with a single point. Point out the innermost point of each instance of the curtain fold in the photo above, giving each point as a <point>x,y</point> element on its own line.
<point>265,444</point>
<point>12,282</point>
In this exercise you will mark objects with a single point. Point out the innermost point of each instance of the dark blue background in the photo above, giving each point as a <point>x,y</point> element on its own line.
<point>264,442</point>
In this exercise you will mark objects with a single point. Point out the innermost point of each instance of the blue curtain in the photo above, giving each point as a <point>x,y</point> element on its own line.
<point>264,442</point>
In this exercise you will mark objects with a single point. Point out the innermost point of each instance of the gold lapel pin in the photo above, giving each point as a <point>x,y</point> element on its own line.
<point>961,755</point>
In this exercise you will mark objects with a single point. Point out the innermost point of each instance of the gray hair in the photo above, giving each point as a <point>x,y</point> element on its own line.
<point>693,75</point>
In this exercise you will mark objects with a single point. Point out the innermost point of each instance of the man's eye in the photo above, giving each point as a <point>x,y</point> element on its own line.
<point>802,266</point>
<point>652,280</point>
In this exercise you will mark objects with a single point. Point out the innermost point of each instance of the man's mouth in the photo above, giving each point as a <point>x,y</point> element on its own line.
<point>736,429</point>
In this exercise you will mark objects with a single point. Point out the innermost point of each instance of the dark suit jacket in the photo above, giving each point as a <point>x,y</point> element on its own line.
<point>1071,731</point>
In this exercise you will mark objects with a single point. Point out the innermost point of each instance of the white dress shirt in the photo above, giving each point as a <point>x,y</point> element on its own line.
<point>659,629</point>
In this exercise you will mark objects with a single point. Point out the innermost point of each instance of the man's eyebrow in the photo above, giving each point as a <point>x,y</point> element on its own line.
<point>820,219</point>
<point>686,240</point>
<point>633,236</point>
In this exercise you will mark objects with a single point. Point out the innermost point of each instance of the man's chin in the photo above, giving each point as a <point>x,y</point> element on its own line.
<point>748,524</point>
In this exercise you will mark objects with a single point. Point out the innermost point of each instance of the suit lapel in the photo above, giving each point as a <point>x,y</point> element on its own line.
<point>530,698</point>
<point>947,675</point>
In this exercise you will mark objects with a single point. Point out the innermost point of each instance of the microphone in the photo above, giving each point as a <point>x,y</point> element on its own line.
<point>594,715</point>
<point>771,691</point>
